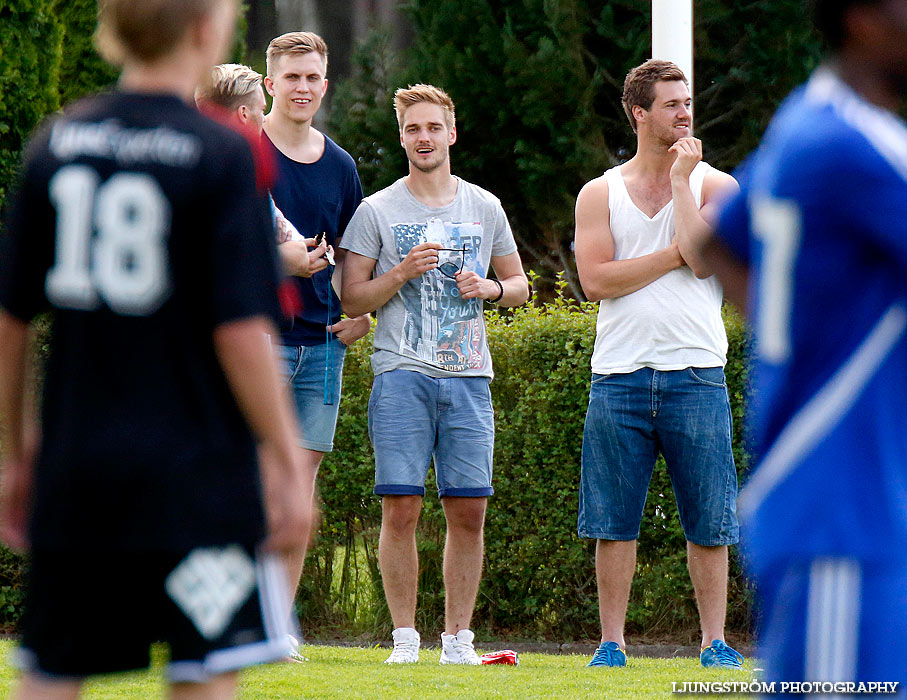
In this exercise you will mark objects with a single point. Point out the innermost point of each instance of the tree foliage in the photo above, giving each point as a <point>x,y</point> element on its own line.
<point>31,38</point>
<point>537,85</point>
<point>47,60</point>
<point>82,70</point>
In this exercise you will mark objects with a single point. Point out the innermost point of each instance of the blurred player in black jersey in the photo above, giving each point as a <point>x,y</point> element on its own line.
<point>164,485</point>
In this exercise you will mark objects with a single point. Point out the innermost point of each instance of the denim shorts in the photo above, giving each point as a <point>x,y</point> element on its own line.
<point>312,382</point>
<point>683,414</point>
<point>414,418</point>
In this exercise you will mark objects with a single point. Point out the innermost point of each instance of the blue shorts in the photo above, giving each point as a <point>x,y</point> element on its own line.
<point>313,382</point>
<point>414,418</point>
<point>686,416</point>
<point>833,619</point>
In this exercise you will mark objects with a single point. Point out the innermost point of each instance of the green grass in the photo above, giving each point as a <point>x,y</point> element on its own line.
<point>350,673</point>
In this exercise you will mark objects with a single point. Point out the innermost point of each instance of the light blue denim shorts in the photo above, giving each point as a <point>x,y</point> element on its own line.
<point>414,419</point>
<point>683,414</point>
<point>315,374</point>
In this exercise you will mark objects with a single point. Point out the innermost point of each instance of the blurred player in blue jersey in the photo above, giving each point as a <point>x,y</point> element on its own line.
<point>815,247</point>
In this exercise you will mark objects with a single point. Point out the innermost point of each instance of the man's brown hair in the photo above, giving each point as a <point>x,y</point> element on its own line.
<point>295,43</point>
<point>405,98</point>
<point>639,85</point>
<point>145,30</point>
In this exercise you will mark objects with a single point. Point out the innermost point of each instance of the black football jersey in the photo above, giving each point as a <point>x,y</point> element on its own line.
<point>139,224</point>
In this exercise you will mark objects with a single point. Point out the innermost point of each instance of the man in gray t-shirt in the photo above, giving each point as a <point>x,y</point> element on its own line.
<point>419,253</point>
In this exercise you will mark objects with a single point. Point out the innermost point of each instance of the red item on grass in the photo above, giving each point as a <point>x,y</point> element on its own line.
<point>505,656</point>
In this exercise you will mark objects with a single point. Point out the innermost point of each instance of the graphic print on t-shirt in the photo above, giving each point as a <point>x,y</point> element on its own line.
<point>439,327</point>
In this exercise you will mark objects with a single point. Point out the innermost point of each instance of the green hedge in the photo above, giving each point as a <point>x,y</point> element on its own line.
<point>30,49</point>
<point>82,70</point>
<point>539,578</point>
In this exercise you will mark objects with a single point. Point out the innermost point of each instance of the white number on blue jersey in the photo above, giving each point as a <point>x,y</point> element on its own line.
<point>777,224</point>
<point>111,242</point>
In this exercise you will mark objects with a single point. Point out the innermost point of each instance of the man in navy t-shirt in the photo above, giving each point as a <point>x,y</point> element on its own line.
<point>820,230</point>
<point>318,190</point>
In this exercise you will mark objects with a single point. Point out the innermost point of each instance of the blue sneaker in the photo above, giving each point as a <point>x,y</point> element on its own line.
<point>720,655</point>
<point>608,654</point>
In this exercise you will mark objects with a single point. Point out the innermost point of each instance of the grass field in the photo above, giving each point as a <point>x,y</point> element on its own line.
<point>352,673</point>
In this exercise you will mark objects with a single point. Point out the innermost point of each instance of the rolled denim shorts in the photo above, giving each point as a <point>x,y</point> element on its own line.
<point>683,414</point>
<point>312,381</point>
<point>414,419</point>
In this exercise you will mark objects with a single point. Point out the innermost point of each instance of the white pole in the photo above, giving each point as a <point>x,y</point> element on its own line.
<point>672,34</point>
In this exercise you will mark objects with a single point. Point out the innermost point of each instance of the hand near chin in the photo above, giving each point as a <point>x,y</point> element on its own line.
<point>689,152</point>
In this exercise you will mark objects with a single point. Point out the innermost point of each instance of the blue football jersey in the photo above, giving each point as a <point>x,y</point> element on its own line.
<point>821,221</point>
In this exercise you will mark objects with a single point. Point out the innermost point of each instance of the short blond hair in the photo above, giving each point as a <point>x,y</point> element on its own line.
<point>404,98</point>
<point>230,86</point>
<point>145,30</point>
<point>298,43</point>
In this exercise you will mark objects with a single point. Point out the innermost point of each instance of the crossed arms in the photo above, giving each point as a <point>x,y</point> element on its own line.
<point>603,277</point>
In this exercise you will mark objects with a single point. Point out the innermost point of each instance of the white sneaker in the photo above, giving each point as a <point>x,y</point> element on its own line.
<point>457,649</point>
<point>406,646</point>
<point>295,655</point>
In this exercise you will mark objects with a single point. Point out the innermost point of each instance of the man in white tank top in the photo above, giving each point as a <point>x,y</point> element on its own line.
<point>658,363</point>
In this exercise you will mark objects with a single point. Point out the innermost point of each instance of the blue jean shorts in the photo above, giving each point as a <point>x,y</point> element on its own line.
<point>315,374</point>
<point>414,418</point>
<point>683,414</point>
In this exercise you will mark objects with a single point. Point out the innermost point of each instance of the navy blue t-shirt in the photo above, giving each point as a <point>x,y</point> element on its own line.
<point>316,197</point>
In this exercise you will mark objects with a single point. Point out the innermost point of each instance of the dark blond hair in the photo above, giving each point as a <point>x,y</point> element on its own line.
<point>298,43</point>
<point>145,30</point>
<point>229,86</point>
<point>405,98</point>
<point>639,85</point>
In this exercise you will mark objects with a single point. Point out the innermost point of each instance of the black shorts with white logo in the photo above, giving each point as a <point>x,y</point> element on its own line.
<point>218,608</point>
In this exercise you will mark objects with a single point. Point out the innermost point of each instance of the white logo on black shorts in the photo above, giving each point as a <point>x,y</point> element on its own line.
<point>210,585</point>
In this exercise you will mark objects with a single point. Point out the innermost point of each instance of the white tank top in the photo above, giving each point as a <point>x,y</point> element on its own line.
<point>671,323</point>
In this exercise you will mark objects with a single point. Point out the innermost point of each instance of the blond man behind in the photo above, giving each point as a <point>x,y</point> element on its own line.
<point>237,89</point>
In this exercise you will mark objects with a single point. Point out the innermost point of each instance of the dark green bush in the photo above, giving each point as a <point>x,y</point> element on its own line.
<point>539,578</point>
<point>30,49</point>
<point>82,70</point>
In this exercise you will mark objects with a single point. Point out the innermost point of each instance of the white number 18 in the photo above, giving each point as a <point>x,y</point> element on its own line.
<point>125,263</point>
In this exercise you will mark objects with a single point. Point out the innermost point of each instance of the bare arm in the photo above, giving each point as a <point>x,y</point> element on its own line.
<point>251,370</point>
<point>692,224</point>
<point>362,294</point>
<point>18,432</point>
<point>730,271</point>
<point>347,330</point>
<point>509,272</point>
<point>601,276</point>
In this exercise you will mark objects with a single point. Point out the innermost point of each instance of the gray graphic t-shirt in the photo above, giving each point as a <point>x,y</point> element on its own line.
<point>426,326</point>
